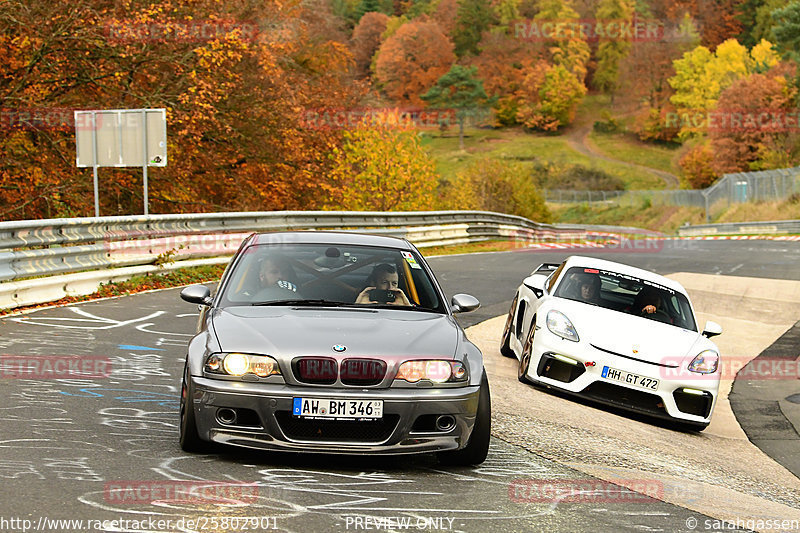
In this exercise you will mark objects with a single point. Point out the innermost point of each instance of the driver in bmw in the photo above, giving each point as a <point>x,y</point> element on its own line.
<point>383,277</point>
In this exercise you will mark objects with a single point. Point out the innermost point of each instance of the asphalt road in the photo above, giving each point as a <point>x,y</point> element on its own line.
<point>493,277</point>
<point>106,449</point>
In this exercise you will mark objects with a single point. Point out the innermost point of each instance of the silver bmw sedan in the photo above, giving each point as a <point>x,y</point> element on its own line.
<point>333,342</point>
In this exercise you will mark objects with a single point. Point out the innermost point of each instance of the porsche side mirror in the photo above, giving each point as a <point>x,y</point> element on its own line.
<point>464,303</point>
<point>536,283</point>
<point>712,329</point>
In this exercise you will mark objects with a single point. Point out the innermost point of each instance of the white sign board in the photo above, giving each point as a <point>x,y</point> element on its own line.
<point>116,137</point>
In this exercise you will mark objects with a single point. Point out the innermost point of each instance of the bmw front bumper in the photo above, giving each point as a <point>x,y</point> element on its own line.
<point>263,418</point>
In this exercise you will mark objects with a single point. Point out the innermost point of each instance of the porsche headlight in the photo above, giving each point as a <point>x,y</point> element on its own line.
<point>434,370</point>
<point>705,363</point>
<point>239,364</point>
<point>558,323</point>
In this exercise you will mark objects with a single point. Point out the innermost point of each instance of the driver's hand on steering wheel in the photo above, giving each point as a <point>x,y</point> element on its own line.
<point>649,309</point>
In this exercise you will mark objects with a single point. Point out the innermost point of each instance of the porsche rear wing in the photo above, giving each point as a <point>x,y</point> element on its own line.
<point>546,268</point>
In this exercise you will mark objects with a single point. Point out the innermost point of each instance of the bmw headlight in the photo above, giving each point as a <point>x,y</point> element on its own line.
<point>558,323</point>
<point>434,370</point>
<point>705,363</point>
<point>239,364</point>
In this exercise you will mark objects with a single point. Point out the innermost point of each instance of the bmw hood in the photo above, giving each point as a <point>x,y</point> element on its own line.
<point>633,336</point>
<point>287,332</point>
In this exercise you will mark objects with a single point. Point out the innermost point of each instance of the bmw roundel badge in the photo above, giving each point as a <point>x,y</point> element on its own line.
<point>339,347</point>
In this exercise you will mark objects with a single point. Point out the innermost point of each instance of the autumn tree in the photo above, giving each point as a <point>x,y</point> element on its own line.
<point>382,167</point>
<point>717,20</point>
<point>504,62</point>
<point>698,168</point>
<point>611,51</point>
<point>410,61</point>
<point>490,184</point>
<point>570,51</point>
<point>701,75</point>
<point>506,13</point>
<point>366,40</point>
<point>694,88</point>
<point>461,90</point>
<point>234,96</point>
<point>445,15</point>
<point>753,113</point>
<point>643,80</point>
<point>473,17</point>
<point>549,96</point>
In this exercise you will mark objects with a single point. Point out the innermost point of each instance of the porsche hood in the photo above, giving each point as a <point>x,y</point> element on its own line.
<point>633,336</point>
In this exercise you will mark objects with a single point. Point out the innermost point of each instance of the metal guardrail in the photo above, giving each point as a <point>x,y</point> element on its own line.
<point>742,228</point>
<point>58,246</point>
<point>43,260</point>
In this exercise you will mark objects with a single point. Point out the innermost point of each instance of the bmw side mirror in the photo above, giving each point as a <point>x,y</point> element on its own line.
<point>197,294</point>
<point>464,303</point>
<point>712,329</point>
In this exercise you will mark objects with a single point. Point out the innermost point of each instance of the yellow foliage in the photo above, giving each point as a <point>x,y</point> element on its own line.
<point>382,167</point>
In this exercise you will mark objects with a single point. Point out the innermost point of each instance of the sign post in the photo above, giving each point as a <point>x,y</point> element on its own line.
<point>121,138</point>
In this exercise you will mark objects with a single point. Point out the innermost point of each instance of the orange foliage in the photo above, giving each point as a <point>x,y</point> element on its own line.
<point>504,62</point>
<point>234,79</point>
<point>366,39</point>
<point>412,59</point>
<point>716,20</point>
<point>752,115</point>
<point>697,168</point>
<point>445,15</point>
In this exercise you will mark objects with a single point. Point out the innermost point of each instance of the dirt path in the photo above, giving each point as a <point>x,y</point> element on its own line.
<point>578,139</point>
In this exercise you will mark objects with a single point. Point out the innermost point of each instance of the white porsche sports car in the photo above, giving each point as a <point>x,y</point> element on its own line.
<point>615,334</point>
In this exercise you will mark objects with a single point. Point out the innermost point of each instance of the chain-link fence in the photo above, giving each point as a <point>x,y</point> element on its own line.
<point>766,185</point>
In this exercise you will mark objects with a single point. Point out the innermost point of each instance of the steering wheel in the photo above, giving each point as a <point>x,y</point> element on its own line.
<point>660,315</point>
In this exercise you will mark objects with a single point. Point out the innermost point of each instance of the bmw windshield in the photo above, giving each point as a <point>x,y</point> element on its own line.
<point>331,276</point>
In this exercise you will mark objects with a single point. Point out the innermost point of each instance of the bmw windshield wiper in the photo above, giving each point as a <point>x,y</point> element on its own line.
<point>312,303</point>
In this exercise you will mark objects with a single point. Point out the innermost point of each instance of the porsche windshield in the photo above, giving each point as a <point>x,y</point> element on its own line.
<point>333,276</point>
<point>627,294</point>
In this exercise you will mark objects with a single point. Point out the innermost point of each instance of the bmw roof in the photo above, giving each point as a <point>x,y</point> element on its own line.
<point>341,238</point>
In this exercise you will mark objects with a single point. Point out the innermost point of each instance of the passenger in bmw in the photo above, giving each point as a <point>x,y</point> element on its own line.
<point>383,287</point>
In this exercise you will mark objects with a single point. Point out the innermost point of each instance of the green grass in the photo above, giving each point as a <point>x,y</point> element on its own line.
<point>626,147</point>
<point>525,148</point>
<point>664,218</point>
